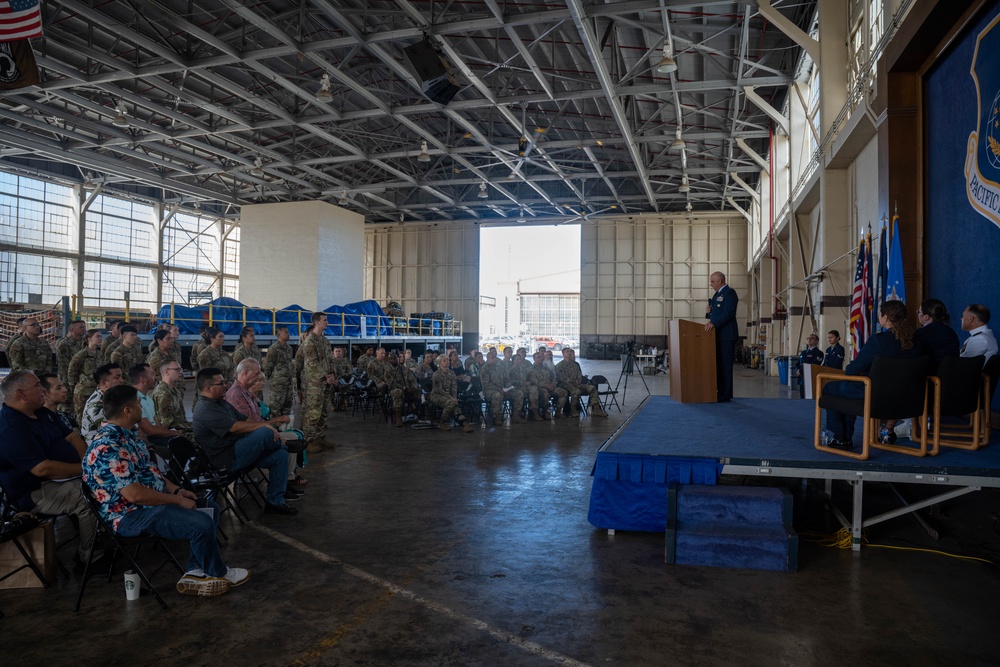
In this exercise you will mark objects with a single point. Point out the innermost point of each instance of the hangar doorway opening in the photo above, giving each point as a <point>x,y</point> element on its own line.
<point>529,286</point>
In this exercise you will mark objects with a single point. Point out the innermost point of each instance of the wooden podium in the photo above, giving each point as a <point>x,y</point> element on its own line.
<point>692,362</point>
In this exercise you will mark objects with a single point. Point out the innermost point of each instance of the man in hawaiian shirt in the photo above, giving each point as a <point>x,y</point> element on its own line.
<point>135,498</point>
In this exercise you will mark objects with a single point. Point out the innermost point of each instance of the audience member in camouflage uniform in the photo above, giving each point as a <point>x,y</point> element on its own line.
<point>402,386</point>
<point>107,376</point>
<point>378,370</point>
<point>129,352</point>
<point>247,348</point>
<point>112,341</point>
<point>280,372</point>
<point>408,359</point>
<point>81,371</point>
<point>495,378</point>
<point>342,370</point>
<point>30,352</point>
<point>163,351</point>
<point>168,399</point>
<point>69,346</point>
<point>365,359</point>
<point>316,379</point>
<point>571,379</point>
<point>213,356</point>
<point>196,349</point>
<point>17,334</point>
<point>444,394</point>
<point>519,373</point>
<point>162,326</point>
<point>541,377</point>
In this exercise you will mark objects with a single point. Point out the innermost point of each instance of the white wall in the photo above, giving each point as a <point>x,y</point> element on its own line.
<point>309,253</point>
<point>638,272</point>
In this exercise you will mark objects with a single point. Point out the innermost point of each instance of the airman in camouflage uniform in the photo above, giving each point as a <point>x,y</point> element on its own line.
<point>378,371</point>
<point>65,349</point>
<point>162,352</point>
<point>520,372</point>
<point>247,349</point>
<point>495,378</point>
<point>279,369</point>
<point>571,379</point>
<point>402,386</point>
<point>444,394</point>
<point>17,334</point>
<point>541,377</point>
<point>216,357</point>
<point>129,352</point>
<point>81,371</point>
<point>342,369</point>
<point>409,361</point>
<point>315,379</point>
<point>168,399</point>
<point>365,359</point>
<point>30,352</point>
<point>112,341</point>
<point>93,411</point>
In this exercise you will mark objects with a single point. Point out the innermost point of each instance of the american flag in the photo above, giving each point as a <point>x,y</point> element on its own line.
<point>20,19</point>
<point>861,299</point>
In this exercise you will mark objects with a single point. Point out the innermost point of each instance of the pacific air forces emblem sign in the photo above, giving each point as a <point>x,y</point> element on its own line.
<point>982,160</point>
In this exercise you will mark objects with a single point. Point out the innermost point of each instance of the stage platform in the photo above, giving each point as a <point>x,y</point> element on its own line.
<point>664,441</point>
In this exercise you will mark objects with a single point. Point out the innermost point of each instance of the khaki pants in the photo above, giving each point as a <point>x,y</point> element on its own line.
<point>56,498</point>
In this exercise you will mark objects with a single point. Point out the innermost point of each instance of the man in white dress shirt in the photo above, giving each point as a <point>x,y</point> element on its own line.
<point>981,340</point>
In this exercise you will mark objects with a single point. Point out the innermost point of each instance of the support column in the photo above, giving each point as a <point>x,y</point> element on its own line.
<point>836,236</point>
<point>832,62</point>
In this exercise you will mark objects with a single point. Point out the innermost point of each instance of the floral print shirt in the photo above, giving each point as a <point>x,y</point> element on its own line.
<point>116,459</point>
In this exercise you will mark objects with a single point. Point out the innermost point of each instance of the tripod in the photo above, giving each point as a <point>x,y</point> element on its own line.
<point>629,363</point>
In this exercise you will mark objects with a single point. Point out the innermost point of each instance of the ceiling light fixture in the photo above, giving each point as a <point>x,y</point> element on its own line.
<point>685,187</point>
<point>689,207</point>
<point>120,120</point>
<point>678,143</point>
<point>324,94</point>
<point>482,191</point>
<point>666,64</point>
<point>520,218</point>
<point>258,167</point>
<point>343,199</point>
<point>424,155</point>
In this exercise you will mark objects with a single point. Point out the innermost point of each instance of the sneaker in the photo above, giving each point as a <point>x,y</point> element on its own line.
<point>292,496</point>
<point>280,509</point>
<point>237,576</point>
<point>197,583</point>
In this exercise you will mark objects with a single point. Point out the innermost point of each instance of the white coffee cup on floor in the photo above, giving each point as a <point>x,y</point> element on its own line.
<point>131,585</point>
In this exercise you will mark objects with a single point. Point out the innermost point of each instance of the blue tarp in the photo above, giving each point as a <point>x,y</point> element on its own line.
<point>187,319</point>
<point>228,315</point>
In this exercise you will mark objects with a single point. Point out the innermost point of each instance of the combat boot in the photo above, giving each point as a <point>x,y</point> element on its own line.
<point>444,426</point>
<point>467,427</point>
<point>399,420</point>
<point>314,446</point>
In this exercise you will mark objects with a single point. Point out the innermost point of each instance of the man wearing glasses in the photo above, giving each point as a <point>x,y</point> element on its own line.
<point>30,352</point>
<point>235,443</point>
<point>168,400</point>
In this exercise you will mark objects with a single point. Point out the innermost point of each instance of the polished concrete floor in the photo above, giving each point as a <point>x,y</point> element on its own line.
<point>429,548</point>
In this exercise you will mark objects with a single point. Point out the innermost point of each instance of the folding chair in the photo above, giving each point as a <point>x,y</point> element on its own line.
<point>109,539</point>
<point>13,526</point>
<point>186,466</point>
<point>608,396</point>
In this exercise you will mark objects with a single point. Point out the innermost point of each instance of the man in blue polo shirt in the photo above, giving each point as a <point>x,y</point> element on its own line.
<point>40,457</point>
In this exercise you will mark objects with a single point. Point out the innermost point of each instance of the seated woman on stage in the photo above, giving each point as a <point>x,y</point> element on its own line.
<point>934,337</point>
<point>895,341</point>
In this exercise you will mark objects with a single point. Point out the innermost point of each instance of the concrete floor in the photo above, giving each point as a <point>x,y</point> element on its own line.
<point>429,548</point>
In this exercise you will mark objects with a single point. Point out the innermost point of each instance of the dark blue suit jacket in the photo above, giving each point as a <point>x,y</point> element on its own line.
<point>937,340</point>
<point>723,316</point>
<point>834,357</point>
<point>880,345</point>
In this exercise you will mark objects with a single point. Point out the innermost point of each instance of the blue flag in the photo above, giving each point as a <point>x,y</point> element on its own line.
<point>895,288</point>
<point>882,275</point>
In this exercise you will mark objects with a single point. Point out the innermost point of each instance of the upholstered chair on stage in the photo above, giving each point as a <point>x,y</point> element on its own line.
<point>965,397</point>
<point>896,388</point>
